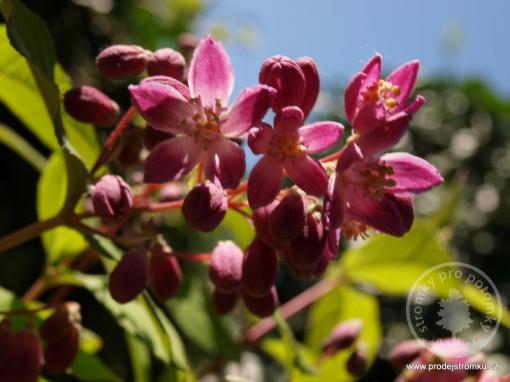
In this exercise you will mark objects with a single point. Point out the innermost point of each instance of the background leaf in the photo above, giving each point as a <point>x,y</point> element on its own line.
<point>21,147</point>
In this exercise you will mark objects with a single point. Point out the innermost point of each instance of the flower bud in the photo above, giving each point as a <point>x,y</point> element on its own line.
<point>261,306</point>
<point>312,83</point>
<point>90,105</point>
<point>226,267</point>
<point>321,267</point>
<point>287,220</point>
<point>152,136</point>
<point>205,207</point>
<point>306,249</point>
<point>129,278</point>
<point>121,62</point>
<point>187,43</point>
<point>260,267</point>
<point>165,275</point>
<point>167,62</point>
<point>59,354</point>
<point>111,197</point>
<point>261,223</point>
<point>342,336</point>
<point>358,360</point>
<point>9,357</point>
<point>404,353</point>
<point>60,322</point>
<point>222,302</point>
<point>286,77</point>
<point>25,359</point>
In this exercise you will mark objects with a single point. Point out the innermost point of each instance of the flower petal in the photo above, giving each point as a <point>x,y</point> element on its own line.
<point>225,162</point>
<point>369,117</point>
<point>351,98</point>
<point>289,118</point>
<point>210,74</point>
<point>319,136</point>
<point>248,110</point>
<point>414,105</point>
<point>350,154</point>
<point>162,106</point>
<point>332,247</point>
<point>411,173</point>
<point>259,138</point>
<point>390,214</point>
<point>373,71</point>
<point>308,174</point>
<point>171,160</point>
<point>312,83</point>
<point>405,77</point>
<point>169,81</point>
<point>334,202</point>
<point>265,182</point>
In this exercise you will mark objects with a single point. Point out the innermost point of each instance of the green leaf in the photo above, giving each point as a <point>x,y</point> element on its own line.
<point>478,300</point>
<point>51,197</point>
<point>140,359</point>
<point>21,147</point>
<point>88,367</point>
<point>393,264</point>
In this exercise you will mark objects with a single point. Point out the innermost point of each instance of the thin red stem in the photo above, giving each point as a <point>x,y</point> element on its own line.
<point>331,157</point>
<point>160,207</point>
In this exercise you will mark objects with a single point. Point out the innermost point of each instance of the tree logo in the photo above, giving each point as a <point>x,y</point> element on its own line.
<point>454,300</point>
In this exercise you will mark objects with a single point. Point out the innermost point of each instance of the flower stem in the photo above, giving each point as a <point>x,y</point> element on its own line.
<point>29,232</point>
<point>331,157</point>
<point>159,207</point>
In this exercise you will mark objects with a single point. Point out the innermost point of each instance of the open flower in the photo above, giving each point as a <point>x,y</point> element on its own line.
<point>376,192</point>
<point>199,118</point>
<point>287,147</point>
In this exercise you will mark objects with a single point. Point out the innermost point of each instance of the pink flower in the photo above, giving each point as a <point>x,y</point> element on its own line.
<point>199,118</point>
<point>376,192</point>
<point>287,147</point>
<point>379,110</point>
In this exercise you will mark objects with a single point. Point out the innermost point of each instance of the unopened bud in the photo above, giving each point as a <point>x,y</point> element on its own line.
<point>111,197</point>
<point>342,336</point>
<point>260,267</point>
<point>187,43</point>
<point>261,306</point>
<point>152,136</point>
<point>60,322</point>
<point>121,62</point>
<point>165,275</point>
<point>287,220</point>
<point>287,78</point>
<point>205,207</point>
<point>358,360</point>
<point>129,278</point>
<point>306,249</point>
<point>60,353</point>
<point>226,267</point>
<point>9,354</point>
<point>321,267</point>
<point>91,105</point>
<point>404,353</point>
<point>312,83</point>
<point>29,356</point>
<point>261,223</point>
<point>222,302</point>
<point>167,62</point>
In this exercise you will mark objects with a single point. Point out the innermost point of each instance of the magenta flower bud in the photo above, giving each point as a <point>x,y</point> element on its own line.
<point>342,336</point>
<point>261,223</point>
<point>172,192</point>
<point>358,361</point>
<point>121,62</point>
<point>90,105</point>
<point>23,356</point>
<point>226,267</point>
<point>166,62</point>
<point>187,43</point>
<point>301,274</point>
<point>306,249</point>
<point>152,136</point>
<point>312,83</point>
<point>165,276</point>
<point>404,353</point>
<point>60,353</point>
<point>205,207</point>
<point>8,352</point>
<point>61,321</point>
<point>111,197</point>
<point>287,220</point>
<point>321,267</point>
<point>260,267</point>
<point>223,303</point>
<point>261,306</point>
<point>130,276</point>
<point>287,78</point>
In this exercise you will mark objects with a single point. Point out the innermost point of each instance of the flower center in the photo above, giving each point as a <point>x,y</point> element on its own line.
<point>286,144</point>
<point>206,122</point>
<point>375,178</point>
<point>383,91</point>
<point>353,230</point>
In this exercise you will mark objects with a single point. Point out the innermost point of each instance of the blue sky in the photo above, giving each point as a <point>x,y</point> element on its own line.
<point>341,35</point>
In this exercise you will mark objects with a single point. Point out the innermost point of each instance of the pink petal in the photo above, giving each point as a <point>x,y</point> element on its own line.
<point>350,154</point>
<point>334,202</point>
<point>225,162</point>
<point>373,71</point>
<point>162,106</point>
<point>289,118</point>
<point>308,174</point>
<point>370,116</point>
<point>414,105</point>
<point>171,160</point>
<point>248,110</point>
<point>405,77</point>
<point>332,246</point>
<point>312,83</point>
<point>411,173</point>
<point>320,136</point>
<point>169,81</point>
<point>351,98</point>
<point>210,74</point>
<point>390,214</point>
<point>265,182</point>
<point>259,138</point>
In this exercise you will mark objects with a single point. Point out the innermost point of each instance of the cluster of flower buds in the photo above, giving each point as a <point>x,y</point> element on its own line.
<point>23,353</point>
<point>437,356</point>
<point>111,198</point>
